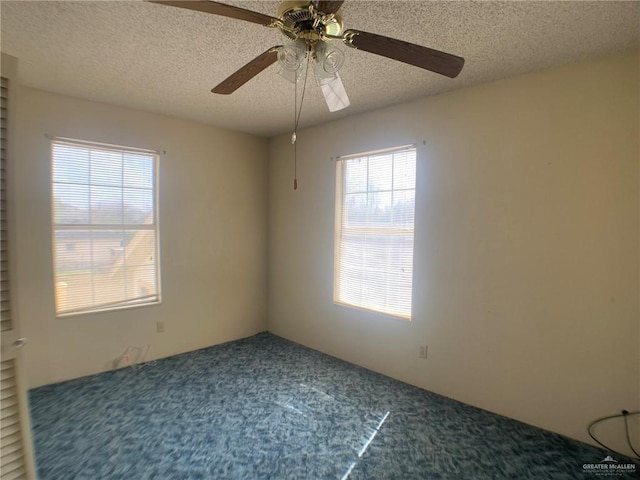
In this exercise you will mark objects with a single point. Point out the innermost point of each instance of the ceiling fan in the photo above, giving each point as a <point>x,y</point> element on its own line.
<point>310,26</point>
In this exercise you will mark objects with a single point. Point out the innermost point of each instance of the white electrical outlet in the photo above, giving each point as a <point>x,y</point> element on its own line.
<point>422,351</point>
<point>160,327</point>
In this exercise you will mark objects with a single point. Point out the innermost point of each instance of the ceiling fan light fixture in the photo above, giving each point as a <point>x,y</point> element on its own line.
<point>330,57</point>
<point>291,76</point>
<point>290,59</point>
<point>291,55</point>
<point>322,77</point>
<point>329,60</point>
<point>335,94</point>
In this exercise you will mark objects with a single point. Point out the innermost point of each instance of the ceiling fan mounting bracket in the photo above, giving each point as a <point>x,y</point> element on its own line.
<point>300,19</point>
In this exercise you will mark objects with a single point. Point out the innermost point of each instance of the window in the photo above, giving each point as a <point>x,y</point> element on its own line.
<point>105,229</point>
<point>375,202</point>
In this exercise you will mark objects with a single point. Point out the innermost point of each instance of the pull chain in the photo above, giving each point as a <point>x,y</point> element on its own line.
<point>294,135</point>
<point>296,120</point>
<point>295,162</point>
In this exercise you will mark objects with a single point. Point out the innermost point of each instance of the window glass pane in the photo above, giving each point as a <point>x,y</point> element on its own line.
<point>72,250</point>
<point>70,204</point>
<point>379,208</point>
<point>355,171</point>
<point>376,250</point>
<point>398,298</point>
<point>138,206</point>
<point>355,209</point>
<point>109,290</point>
<point>72,166</point>
<point>374,296</point>
<point>140,247</point>
<point>106,168</point>
<point>351,285</point>
<point>380,173</point>
<point>404,171</point>
<point>402,247</point>
<point>106,205</point>
<point>403,208</point>
<point>107,249</point>
<point>141,281</point>
<point>138,171</point>
<point>74,290</point>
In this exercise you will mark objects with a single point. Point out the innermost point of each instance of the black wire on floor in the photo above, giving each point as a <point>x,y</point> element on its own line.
<point>625,414</point>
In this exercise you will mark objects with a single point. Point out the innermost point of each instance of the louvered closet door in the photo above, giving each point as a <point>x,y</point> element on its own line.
<point>16,460</point>
<point>13,464</point>
<point>5,321</point>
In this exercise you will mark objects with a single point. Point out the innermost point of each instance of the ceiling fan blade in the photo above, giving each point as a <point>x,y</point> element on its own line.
<point>334,94</point>
<point>328,6</point>
<point>246,73</point>
<point>223,9</point>
<point>417,55</point>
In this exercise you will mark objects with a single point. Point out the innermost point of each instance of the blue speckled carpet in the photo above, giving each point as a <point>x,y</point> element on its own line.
<point>267,408</point>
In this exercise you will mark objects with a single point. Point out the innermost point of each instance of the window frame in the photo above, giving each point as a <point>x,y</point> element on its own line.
<point>155,299</point>
<point>381,230</point>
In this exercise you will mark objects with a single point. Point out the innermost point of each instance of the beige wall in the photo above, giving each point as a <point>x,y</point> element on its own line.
<point>526,245</point>
<point>526,248</point>
<point>213,228</point>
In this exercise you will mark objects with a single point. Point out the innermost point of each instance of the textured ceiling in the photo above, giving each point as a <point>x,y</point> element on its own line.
<point>165,59</point>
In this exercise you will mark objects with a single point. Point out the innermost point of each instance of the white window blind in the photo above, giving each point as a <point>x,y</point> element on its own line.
<point>375,203</point>
<point>105,230</point>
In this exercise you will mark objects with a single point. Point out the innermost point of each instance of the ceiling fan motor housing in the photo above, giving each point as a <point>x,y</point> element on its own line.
<point>302,20</point>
